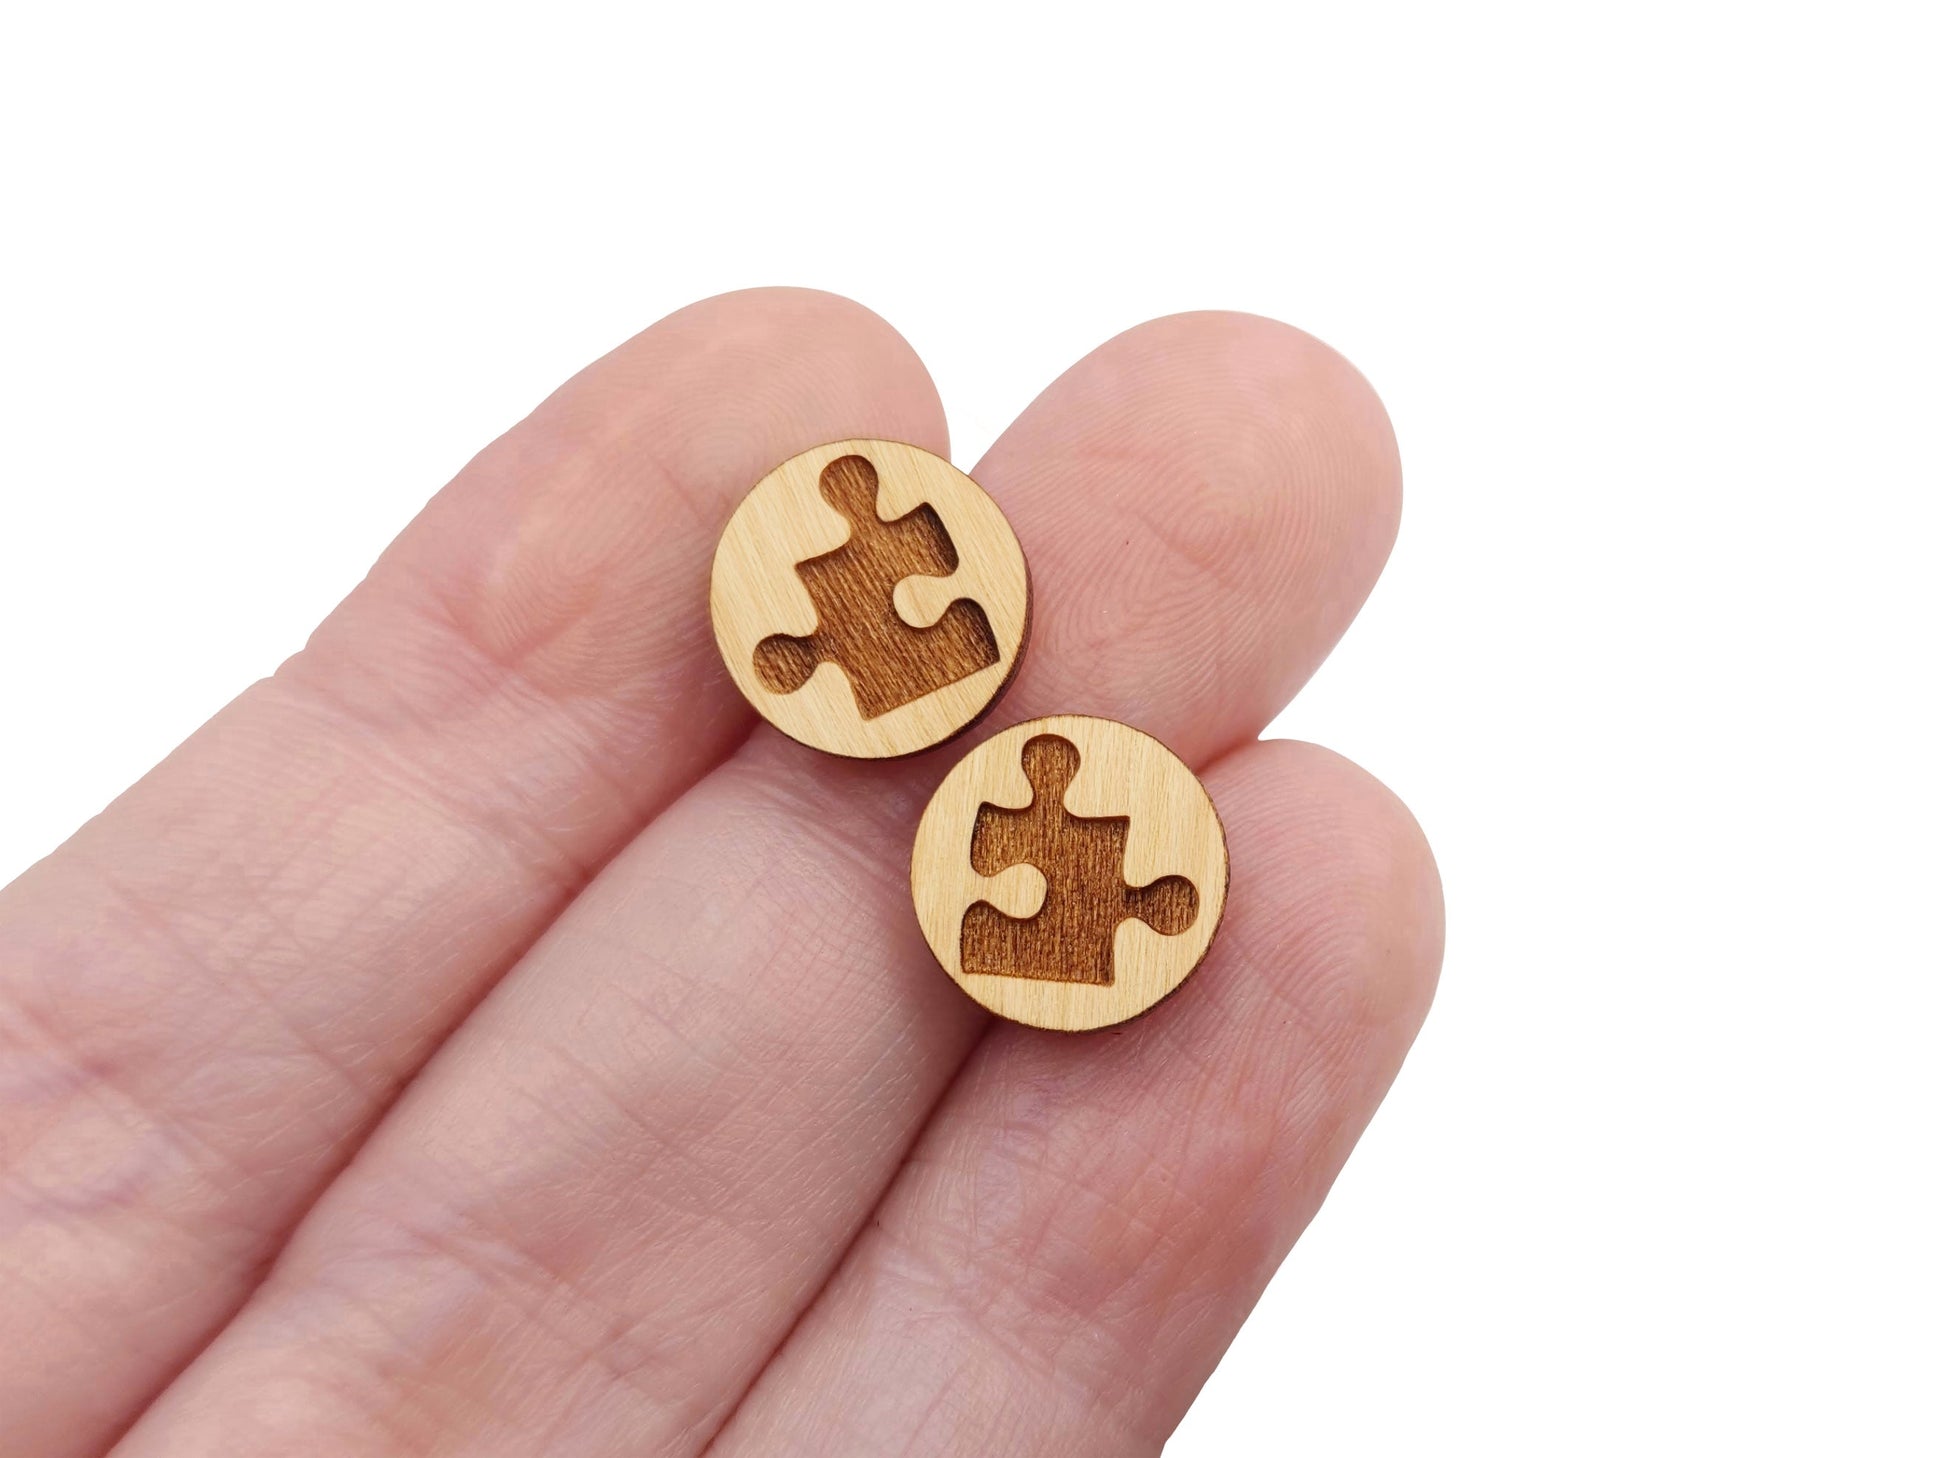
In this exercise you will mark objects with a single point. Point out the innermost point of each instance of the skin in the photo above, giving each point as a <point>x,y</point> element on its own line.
<point>482,1038</point>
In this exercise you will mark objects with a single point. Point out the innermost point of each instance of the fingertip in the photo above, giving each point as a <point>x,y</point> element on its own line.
<point>1367,931</point>
<point>803,358</point>
<point>572,554</point>
<point>1221,490</point>
<point>1283,399</point>
<point>872,370</point>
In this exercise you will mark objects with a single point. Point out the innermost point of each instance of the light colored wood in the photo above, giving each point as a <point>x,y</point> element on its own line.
<point>1172,835</point>
<point>797,588</point>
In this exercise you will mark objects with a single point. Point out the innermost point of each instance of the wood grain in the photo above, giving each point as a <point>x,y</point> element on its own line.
<point>1070,873</point>
<point>1072,937</point>
<point>888,661</point>
<point>869,599</point>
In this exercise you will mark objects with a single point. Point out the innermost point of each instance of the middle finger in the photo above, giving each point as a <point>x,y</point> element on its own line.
<point>599,1211</point>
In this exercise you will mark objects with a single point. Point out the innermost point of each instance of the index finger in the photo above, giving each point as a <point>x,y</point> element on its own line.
<point>212,991</point>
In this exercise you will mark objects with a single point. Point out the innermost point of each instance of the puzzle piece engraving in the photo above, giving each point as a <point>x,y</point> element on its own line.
<point>888,662</point>
<point>1072,937</point>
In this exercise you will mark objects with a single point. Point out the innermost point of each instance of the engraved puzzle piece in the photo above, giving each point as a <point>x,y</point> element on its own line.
<point>868,599</point>
<point>1071,937</point>
<point>1069,873</point>
<point>888,661</point>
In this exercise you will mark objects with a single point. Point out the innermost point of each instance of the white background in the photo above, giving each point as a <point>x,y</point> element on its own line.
<point>1654,296</point>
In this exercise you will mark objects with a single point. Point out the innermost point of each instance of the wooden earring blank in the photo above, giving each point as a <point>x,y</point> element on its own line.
<point>1070,872</point>
<point>869,599</point>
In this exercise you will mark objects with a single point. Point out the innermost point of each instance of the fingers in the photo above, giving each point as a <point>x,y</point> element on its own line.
<point>209,993</point>
<point>1086,1221</point>
<point>605,1203</point>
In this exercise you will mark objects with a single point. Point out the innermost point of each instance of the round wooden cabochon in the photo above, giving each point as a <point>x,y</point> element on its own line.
<point>869,599</point>
<point>1070,873</point>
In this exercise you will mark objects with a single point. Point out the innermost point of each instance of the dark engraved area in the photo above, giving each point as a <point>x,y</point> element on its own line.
<point>1072,937</point>
<point>888,661</point>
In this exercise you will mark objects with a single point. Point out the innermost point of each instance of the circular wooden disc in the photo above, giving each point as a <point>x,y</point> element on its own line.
<point>869,599</point>
<point>1070,872</point>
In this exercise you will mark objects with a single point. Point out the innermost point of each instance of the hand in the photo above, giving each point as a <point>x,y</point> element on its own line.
<point>477,1040</point>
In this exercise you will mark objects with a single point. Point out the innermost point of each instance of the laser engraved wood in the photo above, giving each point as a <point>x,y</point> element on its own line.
<point>888,661</point>
<point>869,599</point>
<point>1070,872</point>
<point>1072,937</point>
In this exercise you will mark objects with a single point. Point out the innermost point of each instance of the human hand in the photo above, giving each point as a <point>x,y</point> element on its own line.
<point>711,1154</point>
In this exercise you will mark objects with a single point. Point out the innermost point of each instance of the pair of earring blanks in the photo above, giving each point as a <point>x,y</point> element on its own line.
<point>871,601</point>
